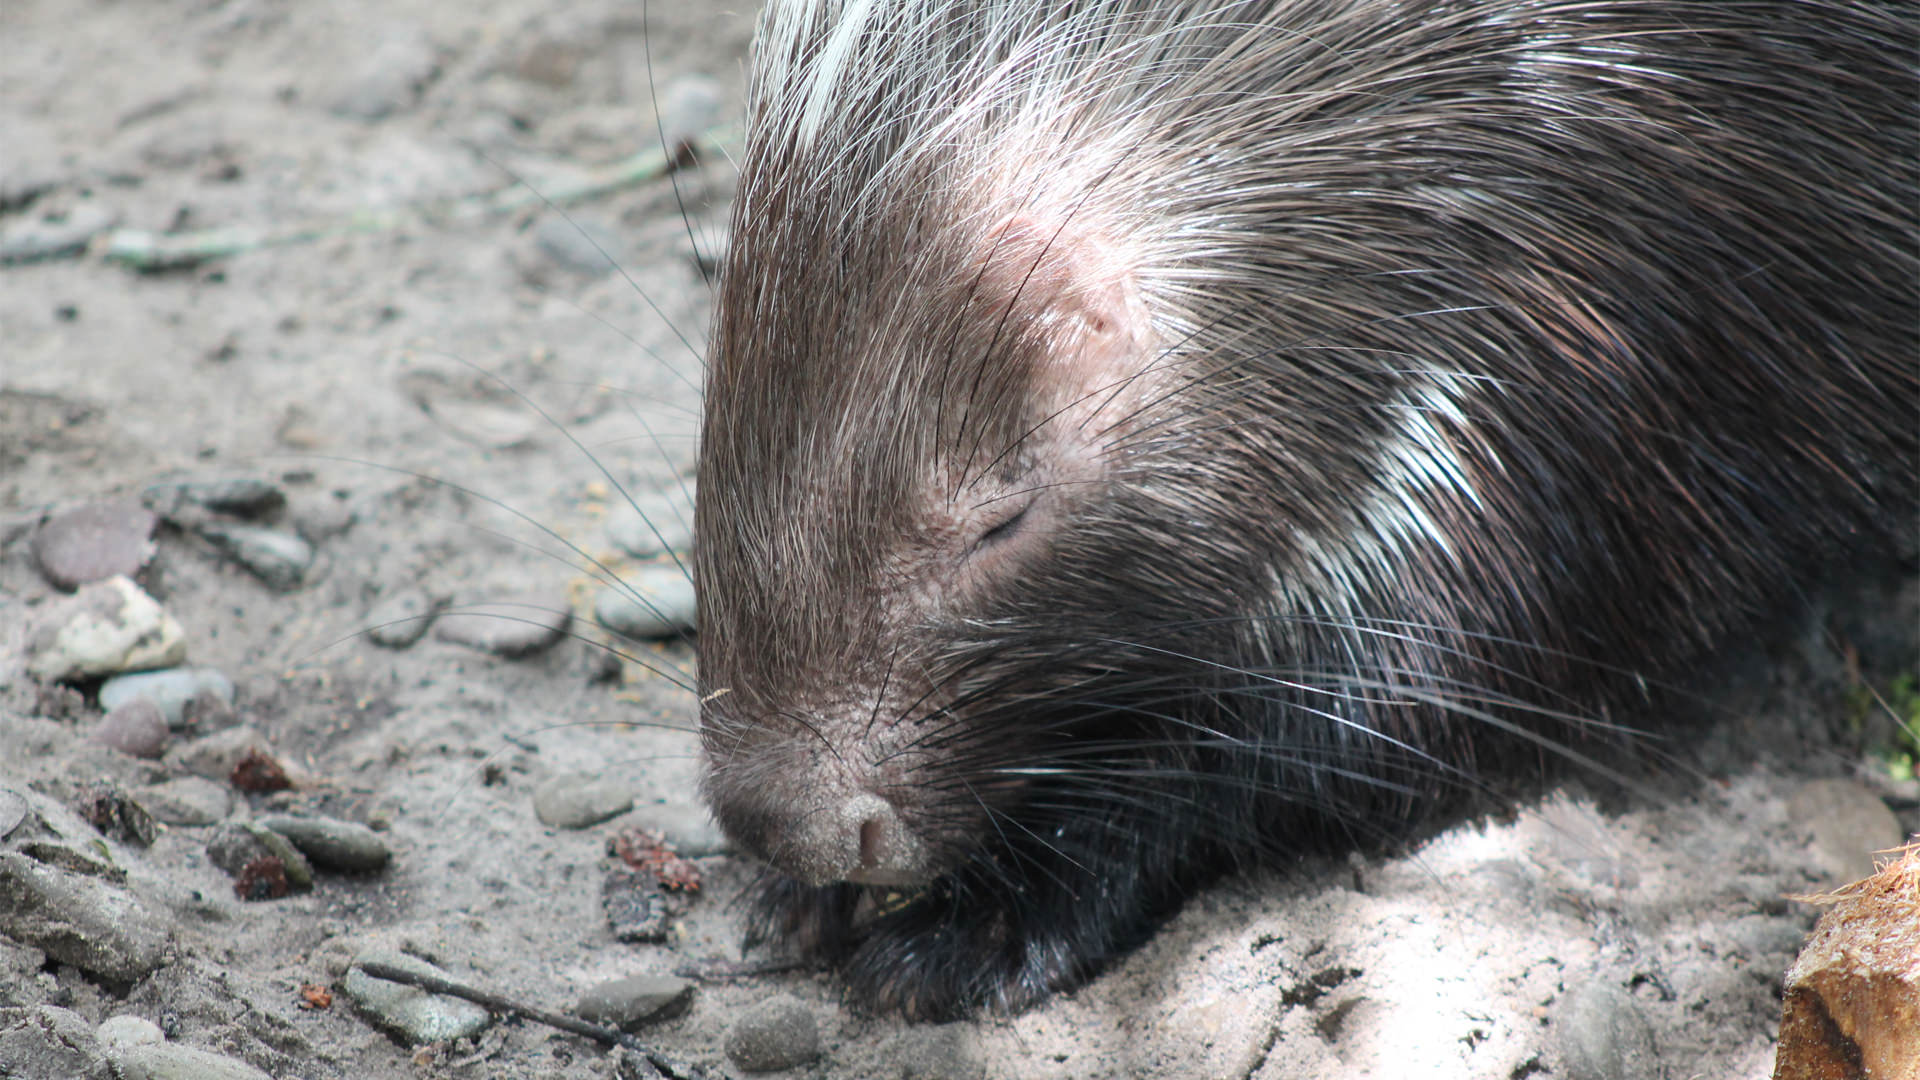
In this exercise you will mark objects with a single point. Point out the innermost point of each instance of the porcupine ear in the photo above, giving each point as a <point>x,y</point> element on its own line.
<point>1074,287</point>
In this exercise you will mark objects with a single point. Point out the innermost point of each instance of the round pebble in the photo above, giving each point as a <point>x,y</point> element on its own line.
<point>655,601</point>
<point>280,559</point>
<point>402,619</point>
<point>690,107</point>
<point>171,690</point>
<point>632,1002</point>
<point>232,847</point>
<point>126,1030</point>
<point>579,244</point>
<point>578,802</point>
<point>779,1033</point>
<point>937,1053</point>
<point>1602,1035</point>
<point>189,800</point>
<point>652,524</point>
<point>510,628</point>
<point>166,1061</point>
<point>137,729</point>
<point>332,844</point>
<point>13,811</point>
<point>408,1011</point>
<point>107,627</point>
<point>94,542</point>
<point>1848,823</point>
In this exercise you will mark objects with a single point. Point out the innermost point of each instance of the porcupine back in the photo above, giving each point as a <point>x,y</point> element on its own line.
<point>1139,435</point>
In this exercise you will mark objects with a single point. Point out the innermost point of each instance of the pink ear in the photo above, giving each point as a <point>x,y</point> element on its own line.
<point>1068,281</point>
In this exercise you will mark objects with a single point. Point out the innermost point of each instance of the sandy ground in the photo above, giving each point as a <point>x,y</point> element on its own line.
<point>387,380</point>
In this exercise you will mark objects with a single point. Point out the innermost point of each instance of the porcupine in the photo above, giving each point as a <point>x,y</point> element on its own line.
<point>1144,436</point>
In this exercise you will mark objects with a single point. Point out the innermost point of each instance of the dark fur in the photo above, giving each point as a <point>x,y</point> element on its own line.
<point>1669,296</point>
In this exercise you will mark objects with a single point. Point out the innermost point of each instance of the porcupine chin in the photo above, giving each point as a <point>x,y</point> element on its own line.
<point>1140,437</point>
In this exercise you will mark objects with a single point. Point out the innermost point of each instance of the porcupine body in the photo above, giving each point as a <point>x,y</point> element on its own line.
<point>1143,436</point>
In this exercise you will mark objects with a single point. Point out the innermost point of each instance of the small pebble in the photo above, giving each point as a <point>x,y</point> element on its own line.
<point>332,844</point>
<point>690,108</point>
<point>189,800</point>
<point>656,601</point>
<point>128,1030</point>
<point>508,628</point>
<point>408,1011</point>
<point>652,524</point>
<point>402,619</point>
<point>578,802</point>
<point>240,495</point>
<point>167,1061</point>
<point>638,910</point>
<point>235,846</point>
<point>689,827</point>
<point>1848,824</point>
<point>280,559</point>
<point>171,690</point>
<point>1602,1035</point>
<point>944,1052</point>
<point>107,627</point>
<point>629,1003</point>
<point>13,811</point>
<point>137,729</point>
<point>390,79</point>
<point>779,1033</point>
<point>94,542</point>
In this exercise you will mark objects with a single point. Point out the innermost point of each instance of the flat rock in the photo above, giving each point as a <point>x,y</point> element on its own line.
<point>13,812</point>
<point>171,690</point>
<point>189,800</point>
<point>408,1011</point>
<point>128,1030</point>
<point>50,1042</point>
<point>633,1002</point>
<point>84,921</point>
<point>578,802</point>
<point>653,602</point>
<point>1848,824</point>
<point>136,728</point>
<point>279,559</point>
<point>509,628</point>
<point>332,844</point>
<point>94,542</point>
<point>166,1061</point>
<point>779,1033</point>
<point>107,627</point>
<point>403,618</point>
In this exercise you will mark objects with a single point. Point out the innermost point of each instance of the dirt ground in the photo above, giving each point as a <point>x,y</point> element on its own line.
<point>388,371</point>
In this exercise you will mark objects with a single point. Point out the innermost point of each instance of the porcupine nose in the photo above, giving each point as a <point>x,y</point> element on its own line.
<point>861,838</point>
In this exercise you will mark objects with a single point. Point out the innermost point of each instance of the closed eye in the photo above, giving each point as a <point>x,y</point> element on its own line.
<point>1005,529</point>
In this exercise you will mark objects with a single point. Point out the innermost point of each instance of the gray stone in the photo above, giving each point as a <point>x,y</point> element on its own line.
<point>633,1002</point>
<point>214,756</point>
<point>53,237</point>
<point>408,1011</point>
<point>944,1052</point>
<point>240,495</point>
<point>1602,1035</point>
<point>13,812</point>
<point>234,846</point>
<point>279,559</point>
<point>391,78</point>
<point>655,601</point>
<point>94,542</point>
<point>332,844</point>
<point>403,618</point>
<point>510,628</point>
<point>136,728</point>
<point>1848,824</point>
<point>166,1061</point>
<point>49,1043</point>
<point>171,690</point>
<point>128,1030</point>
<point>779,1033</point>
<point>689,827</point>
<point>578,802</point>
<point>84,921</point>
<point>690,108</point>
<point>653,524</point>
<point>189,800</point>
<point>107,627</point>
